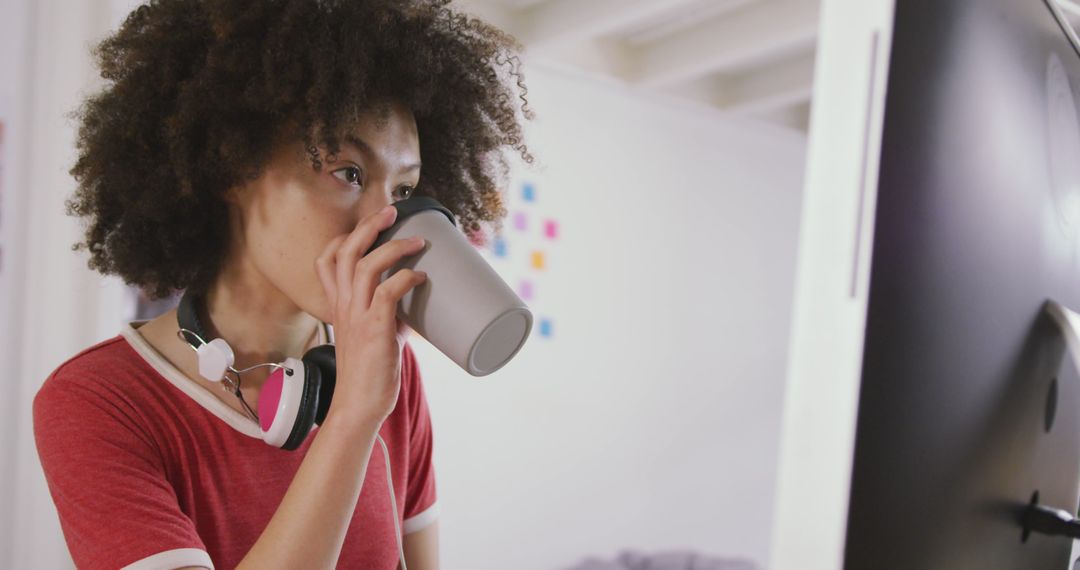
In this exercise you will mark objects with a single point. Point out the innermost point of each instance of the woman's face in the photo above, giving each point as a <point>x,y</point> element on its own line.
<point>283,220</point>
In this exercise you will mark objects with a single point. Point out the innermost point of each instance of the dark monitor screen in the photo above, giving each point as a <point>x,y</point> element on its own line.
<point>931,401</point>
<point>968,402</point>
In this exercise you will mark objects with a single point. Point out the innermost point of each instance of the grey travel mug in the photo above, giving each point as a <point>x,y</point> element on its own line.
<point>464,309</point>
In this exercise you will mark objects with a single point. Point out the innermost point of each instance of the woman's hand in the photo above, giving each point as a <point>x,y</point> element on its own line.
<point>368,335</point>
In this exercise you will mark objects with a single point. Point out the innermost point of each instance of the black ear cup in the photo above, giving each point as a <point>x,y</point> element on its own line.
<point>320,377</point>
<point>322,357</point>
<point>187,316</point>
<point>309,403</point>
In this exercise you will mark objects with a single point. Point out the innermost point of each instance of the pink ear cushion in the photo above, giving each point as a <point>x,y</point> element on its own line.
<point>269,398</point>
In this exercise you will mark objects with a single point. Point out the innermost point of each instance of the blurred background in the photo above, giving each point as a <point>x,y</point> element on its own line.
<point>654,239</point>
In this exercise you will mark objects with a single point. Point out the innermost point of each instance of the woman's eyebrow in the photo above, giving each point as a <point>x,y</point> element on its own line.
<point>365,149</point>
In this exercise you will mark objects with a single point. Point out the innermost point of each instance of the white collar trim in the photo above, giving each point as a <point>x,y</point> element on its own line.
<point>196,391</point>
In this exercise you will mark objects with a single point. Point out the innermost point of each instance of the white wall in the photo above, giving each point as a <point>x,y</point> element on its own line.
<point>12,113</point>
<point>53,304</point>
<point>650,419</point>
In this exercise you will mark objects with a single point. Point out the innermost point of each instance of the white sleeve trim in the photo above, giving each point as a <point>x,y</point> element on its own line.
<point>172,559</point>
<point>421,520</point>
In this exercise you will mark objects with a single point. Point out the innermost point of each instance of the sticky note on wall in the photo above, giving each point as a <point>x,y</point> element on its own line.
<point>525,289</point>
<point>538,260</point>
<point>551,229</point>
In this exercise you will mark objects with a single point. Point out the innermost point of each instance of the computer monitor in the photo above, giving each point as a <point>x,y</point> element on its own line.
<point>930,395</point>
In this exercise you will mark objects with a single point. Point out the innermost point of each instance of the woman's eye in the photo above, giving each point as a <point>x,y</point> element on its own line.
<point>406,192</point>
<point>349,174</point>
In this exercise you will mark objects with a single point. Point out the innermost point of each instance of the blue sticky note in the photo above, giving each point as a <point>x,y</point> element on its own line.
<point>528,192</point>
<point>499,247</point>
<point>545,327</point>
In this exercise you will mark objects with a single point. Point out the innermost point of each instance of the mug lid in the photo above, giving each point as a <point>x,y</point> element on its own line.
<point>417,204</point>
<point>408,207</point>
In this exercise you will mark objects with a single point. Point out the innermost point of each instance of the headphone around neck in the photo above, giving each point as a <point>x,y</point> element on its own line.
<point>294,398</point>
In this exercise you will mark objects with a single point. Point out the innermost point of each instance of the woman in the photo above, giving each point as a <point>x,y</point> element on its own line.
<point>247,152</point>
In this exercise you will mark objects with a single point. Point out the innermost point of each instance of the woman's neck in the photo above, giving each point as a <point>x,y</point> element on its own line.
<point>258,321</point>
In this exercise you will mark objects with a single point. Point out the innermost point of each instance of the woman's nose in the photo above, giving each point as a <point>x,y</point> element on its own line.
<point>377,196</point>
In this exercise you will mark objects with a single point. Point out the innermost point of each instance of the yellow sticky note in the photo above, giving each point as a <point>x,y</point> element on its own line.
<point>538,259</point>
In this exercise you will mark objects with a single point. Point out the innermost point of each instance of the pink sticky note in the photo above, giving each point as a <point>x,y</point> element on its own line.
<point>526,290</point>
<point>551,229</point>
<point>521,221</point>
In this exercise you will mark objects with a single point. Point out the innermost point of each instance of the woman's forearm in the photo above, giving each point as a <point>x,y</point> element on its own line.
<point>308,529</point>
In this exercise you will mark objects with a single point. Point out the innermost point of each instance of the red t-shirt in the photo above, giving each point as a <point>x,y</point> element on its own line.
<point>149,470</point>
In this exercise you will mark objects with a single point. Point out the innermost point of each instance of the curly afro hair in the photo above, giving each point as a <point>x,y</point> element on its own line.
<point>198,93</point>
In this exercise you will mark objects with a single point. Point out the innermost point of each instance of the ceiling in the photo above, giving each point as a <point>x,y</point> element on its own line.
<point>746,57</point>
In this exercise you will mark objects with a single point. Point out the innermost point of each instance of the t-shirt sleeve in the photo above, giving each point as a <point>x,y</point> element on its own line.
<point>421,508</point>
<point>107,479</point>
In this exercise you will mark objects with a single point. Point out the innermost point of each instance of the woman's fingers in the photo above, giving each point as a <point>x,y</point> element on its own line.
<point>326,269</point>
<point>369,271</point>
<point>348,275</point>
<point>387,295</point>
<point>356,244</point>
